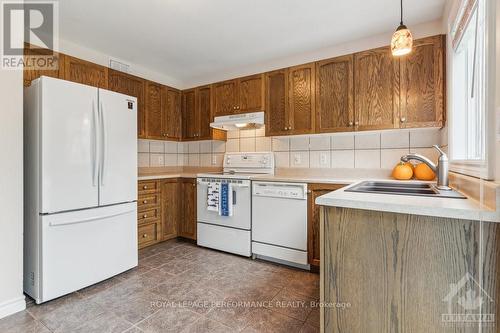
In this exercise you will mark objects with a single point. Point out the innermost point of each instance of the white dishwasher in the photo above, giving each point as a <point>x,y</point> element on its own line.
<point>279,222</point>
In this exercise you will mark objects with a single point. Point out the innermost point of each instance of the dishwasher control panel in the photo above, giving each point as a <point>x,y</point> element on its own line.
<point>280,190</point>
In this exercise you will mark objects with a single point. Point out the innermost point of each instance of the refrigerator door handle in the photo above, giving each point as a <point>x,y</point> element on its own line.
<point>94,144</point>
<point>104,142</point>
<point>90,219</point>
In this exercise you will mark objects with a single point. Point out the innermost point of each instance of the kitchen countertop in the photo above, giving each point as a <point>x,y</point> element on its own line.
<point>167,175</point>
<point>468,209</point>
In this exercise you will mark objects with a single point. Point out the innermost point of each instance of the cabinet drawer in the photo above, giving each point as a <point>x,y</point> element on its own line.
<point>148,201</point>
<point>148,216</point>
<point>148,234</point>
<point>148,186</point>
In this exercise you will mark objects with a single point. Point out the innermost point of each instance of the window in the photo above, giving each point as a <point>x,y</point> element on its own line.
<point>469,97</point>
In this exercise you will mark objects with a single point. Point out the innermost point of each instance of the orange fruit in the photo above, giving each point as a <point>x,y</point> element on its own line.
<point>402,171</point>
<point>423,172</point>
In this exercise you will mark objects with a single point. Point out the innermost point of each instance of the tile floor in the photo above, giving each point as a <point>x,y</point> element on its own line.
<point>179,287</point>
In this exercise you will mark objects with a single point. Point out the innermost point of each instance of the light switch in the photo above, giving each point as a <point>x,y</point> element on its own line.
<point>323,159</point>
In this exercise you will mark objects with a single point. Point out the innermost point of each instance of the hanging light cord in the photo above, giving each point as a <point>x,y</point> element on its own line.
<point>401,22</point>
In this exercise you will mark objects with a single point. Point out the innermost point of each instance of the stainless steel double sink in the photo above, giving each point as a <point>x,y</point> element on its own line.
<point>401,188</point>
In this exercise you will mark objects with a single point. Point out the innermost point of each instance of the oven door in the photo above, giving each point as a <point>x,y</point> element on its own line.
<point>241,217</point>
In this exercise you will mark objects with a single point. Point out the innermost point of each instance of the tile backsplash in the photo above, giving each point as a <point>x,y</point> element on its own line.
<point>364,150</point>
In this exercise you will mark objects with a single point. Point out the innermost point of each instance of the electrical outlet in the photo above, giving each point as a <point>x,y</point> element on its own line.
<point>214,159</point>
<point>323,160</point>
<point>296,159</point>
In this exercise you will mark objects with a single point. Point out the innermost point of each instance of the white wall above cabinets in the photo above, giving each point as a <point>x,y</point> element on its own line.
<point>364,150</point>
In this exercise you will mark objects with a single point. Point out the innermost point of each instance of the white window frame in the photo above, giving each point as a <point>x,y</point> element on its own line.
<point>484,169</point>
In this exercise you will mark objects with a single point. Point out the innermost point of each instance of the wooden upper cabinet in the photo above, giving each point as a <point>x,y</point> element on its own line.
<point>204,109</point>
<point>251,94</point>
<point>189,115</point>
<point>225,97</point>
<point>276,102</point>
<point>335,95</point>
<point>301,99</point>
<point>133,86</point>
<point>171,102</point>
<point>154,112</point>
<point>170,208</point>
<point>422,84</point>
<point>376,95</point>
<point>30,73</point>
<point>85,72</point>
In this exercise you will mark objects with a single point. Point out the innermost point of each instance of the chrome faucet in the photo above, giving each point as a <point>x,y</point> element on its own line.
<point>441,169</point>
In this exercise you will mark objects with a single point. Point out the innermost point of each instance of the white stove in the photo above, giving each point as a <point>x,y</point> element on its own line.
<point>224,202</point>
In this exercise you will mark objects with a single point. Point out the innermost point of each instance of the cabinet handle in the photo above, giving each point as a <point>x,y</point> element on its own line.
<point>351,123</point>
<point>145,187</point>
<point>194,185</point>
<point>164,134</point>
<point>356,123</point>
<point>403,119</point>
<point>308,191</point>
<point>145,236</point>
<point>144,201</point>
<point>144,216</point>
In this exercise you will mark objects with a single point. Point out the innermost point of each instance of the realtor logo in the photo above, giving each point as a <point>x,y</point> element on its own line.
<point>34,23</point>
<point>468,302</point>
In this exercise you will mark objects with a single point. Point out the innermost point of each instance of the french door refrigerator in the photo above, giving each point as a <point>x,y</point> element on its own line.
<point>80,174</point>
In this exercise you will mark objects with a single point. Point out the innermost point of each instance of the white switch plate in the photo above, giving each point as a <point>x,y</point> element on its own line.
<point>323,159</point>
<point>214,159</point>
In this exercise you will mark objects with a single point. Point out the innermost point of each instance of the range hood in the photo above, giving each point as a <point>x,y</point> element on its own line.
<point>239,121</point>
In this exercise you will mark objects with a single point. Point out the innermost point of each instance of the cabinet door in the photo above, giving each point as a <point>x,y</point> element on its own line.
<point>85,72</point>
<point>170,204</point>
<point>154,112</point>
<point>335,95</point>
<point>172,109</point>
<point>225,98</point>
<point>133,86</point>
<point>187,226</point>
<point>376,86</point>
<point>204,109</point>
<point>422,84</point>
<point>189,115</point>
<point>277,102</point>
<point>30,73</point>
<point>301,99</point>
<point>313,221</point>
<point>251,94</point>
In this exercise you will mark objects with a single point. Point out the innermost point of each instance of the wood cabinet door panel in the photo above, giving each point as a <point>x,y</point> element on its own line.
<point>30,73</point>
<point>251,94</point>
<point>189,114</point>
<point>133,86</point>
<point>225,97</point>
<point>335,95</point>
<point>85,72</point>
<point>187,227</point>
<point>172,110</point>
<point>376,89</point>
<point>301,99</point>
<point>170,207</point>
<point>277,102</point>
<point>422,84</point>
<point>154,112</point>
<point>313,220</point>
<point>204,110</point>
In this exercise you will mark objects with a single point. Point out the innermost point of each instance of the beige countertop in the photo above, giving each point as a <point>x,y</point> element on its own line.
<point>468,209</point>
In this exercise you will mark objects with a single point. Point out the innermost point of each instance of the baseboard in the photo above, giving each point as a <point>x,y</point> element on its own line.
<point>12,306</point>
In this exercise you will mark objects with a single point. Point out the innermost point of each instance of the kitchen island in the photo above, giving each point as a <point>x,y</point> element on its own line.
<point>393,263</point>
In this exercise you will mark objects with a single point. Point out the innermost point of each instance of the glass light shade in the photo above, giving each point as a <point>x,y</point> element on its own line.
<point>402,41</point>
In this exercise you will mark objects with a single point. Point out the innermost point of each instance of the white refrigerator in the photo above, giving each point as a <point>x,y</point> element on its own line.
<point>80,185</point>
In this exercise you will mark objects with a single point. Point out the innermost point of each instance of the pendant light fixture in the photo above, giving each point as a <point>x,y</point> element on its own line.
<point>402,40</point>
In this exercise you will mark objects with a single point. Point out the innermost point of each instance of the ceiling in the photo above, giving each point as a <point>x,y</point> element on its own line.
<point>193,39</point>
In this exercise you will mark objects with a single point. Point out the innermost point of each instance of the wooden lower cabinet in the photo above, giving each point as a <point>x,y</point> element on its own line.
<point>170,207</point>
<point>166,209</point>
<point>148,213</point>
<point>313,221</point>
<point>187,222</point>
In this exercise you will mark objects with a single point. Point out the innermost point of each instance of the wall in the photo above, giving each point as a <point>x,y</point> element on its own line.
<point>363,150</point>
<point>11,193</point>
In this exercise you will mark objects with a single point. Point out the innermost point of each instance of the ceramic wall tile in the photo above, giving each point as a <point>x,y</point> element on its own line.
<point>319,142</point>
<point>367,159</point>
<point>142,146</point>
<point>342,159</point>
<point>156,147</point>
<point>233,145</point>
<point>299,143</point>
<point>299,159</point>
<point>395,139</point>
<point>281,143</point>
<point>320,159</point>
<point>343,142</point>
<point>247,144</point>
<point>263,144</point>
<point>390,157</point>
<point>366,141</point>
